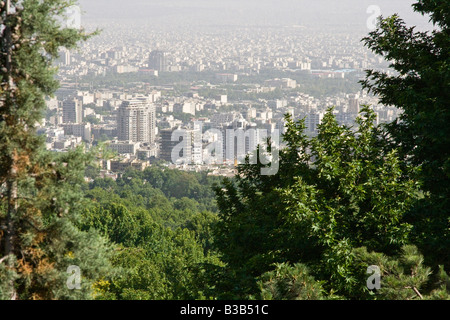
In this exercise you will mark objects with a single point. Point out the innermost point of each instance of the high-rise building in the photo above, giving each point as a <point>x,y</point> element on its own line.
<point>66,57</point>
<point>136,121</point>
<point>239,139</point>
<point>313,120</point>
<point>72,111</point>
<point>197,143</point>
<point>158,61</point>
<point>178,150</point>
<point>166,144</point>
<point>82,130</point>
<point>353,104</point>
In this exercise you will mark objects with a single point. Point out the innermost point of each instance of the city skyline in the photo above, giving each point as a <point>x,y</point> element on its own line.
<point>215,72</point>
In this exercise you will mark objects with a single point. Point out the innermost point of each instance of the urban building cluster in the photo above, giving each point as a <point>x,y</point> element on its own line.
<point>243,83</point>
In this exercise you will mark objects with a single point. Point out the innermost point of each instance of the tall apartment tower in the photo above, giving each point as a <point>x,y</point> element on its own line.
<point>66,57</point>
<point>158,61</point>
<point>166,144</point>
<point>136,121</point>
<point>183,144</point>
<point>72,111</point>
<point>313,120</point>
<point>353,104</point>
<point>239,139</point>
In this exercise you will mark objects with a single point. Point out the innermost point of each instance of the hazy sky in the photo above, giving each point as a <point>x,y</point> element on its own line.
<point>253,12</point>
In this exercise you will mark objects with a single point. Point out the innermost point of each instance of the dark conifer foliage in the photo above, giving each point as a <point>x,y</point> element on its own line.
<point>40,191</point>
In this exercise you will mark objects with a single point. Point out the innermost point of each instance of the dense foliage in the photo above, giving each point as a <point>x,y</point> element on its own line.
<point>333,194</point>
<point>160,221</point>
<point>420,88</point>
<point>40,192</point>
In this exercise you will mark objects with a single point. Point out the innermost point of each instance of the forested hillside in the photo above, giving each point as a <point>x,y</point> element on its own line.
<point>160,222</point>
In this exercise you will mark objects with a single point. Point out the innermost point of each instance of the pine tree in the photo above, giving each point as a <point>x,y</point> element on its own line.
<point>40,192</point>
<point>288,282</point>
<point>401,277</point>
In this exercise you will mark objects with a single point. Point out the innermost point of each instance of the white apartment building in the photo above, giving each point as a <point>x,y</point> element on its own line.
<point>136,120</point>
<point>124,147</point>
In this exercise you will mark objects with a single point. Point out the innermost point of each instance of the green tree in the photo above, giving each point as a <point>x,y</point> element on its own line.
<point>356,197</point>
<point>41,195</point>
<point>420,88</point>
<point>114,221</point>
<point>155,262</point>
<point>403,276</point>
<point>332,193</point>
<point>92,119</point>
<point>290,283</point>
<point>400,277</point>
<point>203,224</point>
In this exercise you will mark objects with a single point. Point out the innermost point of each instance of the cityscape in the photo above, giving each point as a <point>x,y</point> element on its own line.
<point>224,154</point>
<point>132,89</point>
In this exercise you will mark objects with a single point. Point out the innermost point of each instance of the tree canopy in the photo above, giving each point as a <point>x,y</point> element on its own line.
<point>419,87</point>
